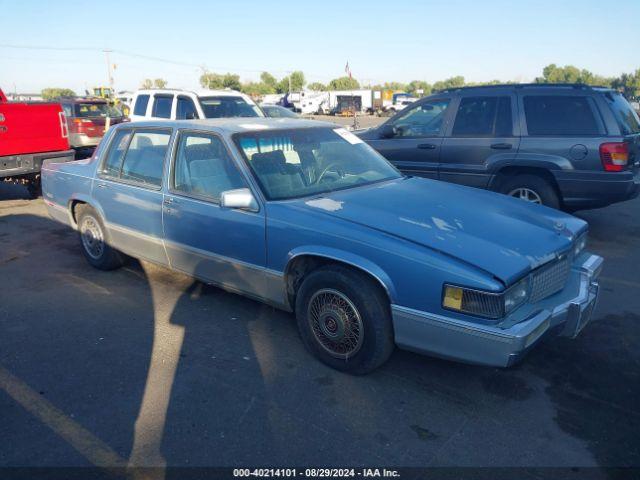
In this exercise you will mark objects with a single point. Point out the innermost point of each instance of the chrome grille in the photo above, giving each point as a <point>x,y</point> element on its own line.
<point>549,279</point>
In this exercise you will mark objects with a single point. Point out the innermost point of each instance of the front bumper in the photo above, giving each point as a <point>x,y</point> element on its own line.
<point>568,311</point>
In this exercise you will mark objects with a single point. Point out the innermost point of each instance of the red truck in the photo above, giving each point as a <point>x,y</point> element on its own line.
<point>30,133</point>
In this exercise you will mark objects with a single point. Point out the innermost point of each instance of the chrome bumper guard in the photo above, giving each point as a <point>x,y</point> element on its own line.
<point>492,345</point>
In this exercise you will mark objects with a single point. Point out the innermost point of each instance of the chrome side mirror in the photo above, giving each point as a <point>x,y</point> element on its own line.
<point>241,198</point>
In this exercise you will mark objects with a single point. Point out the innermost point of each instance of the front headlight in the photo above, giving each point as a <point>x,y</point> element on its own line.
<point>485,304</point>
<point>580,244</point>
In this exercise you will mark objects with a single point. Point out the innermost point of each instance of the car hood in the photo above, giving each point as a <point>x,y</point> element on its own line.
<point>504,236</point>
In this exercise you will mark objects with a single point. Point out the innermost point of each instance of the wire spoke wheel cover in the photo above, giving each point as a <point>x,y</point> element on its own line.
<point>92,237</point>
<point>336,323</point>
<point>526,194</point>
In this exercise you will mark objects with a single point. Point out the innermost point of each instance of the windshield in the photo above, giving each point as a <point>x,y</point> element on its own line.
<point>226,106</point>
<point>309,161</point>
<point>626,117</point>
<point>96,109</point>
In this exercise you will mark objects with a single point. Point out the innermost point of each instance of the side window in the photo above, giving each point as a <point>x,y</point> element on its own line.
<point>117,148</point>
<point>162,106</point>
<point>203,167</point>
<point>559,115</point>
<point>185,109</point>
<point>144,159</point>
<point>483,117</point>
<point>68,111</point>
<point>423,120</point>
<point>140,107</point>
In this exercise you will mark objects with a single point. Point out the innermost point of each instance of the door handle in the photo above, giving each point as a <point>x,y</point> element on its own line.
<point>101,185</point>
<point>170,201</point>
<point>501,146</point>
<point>426,146</point>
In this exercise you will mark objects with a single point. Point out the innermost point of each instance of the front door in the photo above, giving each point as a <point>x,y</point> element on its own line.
<point>219,245</point>
<point>482,135</point>
<point>412,139</point>
<point>129,193</point>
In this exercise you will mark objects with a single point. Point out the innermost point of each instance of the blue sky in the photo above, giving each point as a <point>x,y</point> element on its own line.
<point>391,40</point>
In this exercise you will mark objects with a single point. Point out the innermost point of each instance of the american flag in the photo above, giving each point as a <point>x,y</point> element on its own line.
<point>347,70</point>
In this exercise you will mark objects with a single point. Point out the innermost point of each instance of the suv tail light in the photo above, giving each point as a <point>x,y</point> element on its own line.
<point>614,156</point>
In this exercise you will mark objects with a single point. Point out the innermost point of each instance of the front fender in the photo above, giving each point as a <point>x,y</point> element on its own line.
<point>348,258</point>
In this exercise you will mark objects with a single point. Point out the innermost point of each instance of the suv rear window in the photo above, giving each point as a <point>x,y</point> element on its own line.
<point>559,115</point>
<point>484,117</point>
<point>626,117</point>
<point>140,107</point>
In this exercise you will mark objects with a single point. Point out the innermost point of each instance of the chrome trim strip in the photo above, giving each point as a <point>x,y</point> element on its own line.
<point>453,324</point>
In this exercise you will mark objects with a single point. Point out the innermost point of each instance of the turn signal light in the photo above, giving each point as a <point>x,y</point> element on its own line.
<point>614,156</point>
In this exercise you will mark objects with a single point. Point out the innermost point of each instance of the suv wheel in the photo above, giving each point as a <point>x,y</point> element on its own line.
<point>344,319</point>
<point>94,241</point>
<point>531,188</point>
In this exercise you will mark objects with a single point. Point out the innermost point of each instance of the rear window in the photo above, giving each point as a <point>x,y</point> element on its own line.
<point>91,110</point>
<point>162,106</point>
<point>227,106</point>
<point>143,162</point>
<point>560,115</point>
<point>626,117</point>
<point>140,107</point>
<point>483,117</point>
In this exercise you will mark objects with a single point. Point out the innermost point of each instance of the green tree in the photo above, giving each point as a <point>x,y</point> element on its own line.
<point>453,82</point>
<point>269,81</point>
<point>628,84</point>
<point>159,83</point>
<point>215,81</point>
<point>571,74</point>
<point>344,83</point>
<point>53,93</point>
<point>416,85</point>
<point>297,82</point>
<point>317,86</point>
<point>146,84</point>
<point>256,89</point>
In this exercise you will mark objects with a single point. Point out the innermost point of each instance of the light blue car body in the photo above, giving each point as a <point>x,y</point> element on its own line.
<point>411,235</point>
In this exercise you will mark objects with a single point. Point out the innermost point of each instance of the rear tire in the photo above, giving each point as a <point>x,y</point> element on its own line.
<point>94,240</point>
<point>531,188</point>
<point>344,319</point>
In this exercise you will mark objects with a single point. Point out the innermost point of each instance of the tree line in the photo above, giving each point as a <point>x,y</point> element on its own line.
<point>627,83</point>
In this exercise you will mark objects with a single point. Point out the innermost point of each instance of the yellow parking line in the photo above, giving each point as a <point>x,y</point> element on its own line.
<point>87,444</point>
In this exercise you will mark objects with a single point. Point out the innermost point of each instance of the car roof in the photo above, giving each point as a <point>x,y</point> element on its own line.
<point>199,92</point>
<point>236,124</point>
<point>541,86</point>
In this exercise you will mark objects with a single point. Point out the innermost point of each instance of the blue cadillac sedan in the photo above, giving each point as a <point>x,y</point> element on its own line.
<point>305,216</point>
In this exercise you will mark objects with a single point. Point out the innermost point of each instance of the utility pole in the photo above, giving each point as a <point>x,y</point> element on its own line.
<point>109,75</point>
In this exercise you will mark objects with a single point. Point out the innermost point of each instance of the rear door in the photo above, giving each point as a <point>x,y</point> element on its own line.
<point>562,127</point>
<point>482,134</point>
<point>415,144</point>
<point>128,190</point>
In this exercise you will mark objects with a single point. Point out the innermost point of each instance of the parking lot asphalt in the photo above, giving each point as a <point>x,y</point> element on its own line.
<point>144,366</point>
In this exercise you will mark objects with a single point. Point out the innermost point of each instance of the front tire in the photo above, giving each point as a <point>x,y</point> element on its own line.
<point>344,319</point>
<point>94,241</point>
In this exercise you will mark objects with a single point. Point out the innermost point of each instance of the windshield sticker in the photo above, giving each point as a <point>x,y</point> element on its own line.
<point>348,136</point>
